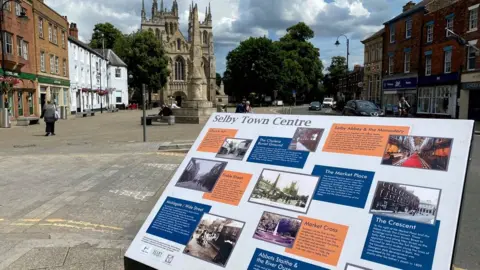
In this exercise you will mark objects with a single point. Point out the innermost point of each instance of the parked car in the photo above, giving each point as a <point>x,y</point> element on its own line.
<point>315,106</point>
<point>328,103</point>
<point>362,108</point>
<point>278,103</point>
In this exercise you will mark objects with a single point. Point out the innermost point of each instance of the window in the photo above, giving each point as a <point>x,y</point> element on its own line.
<point>118,97</point>
<point>8,38</point>
<point>473,19</point>
<point>42,61</point>
<point>430,33</point>
<point>25,50</point>
<point>64,67</point>
<point>18,9</point>
<point>372,53</point>
<point>408,28</point>
<point>472,58</point>
<point>205,37</point>
<point>406,63</point>
<point>56,66</point>
<point>392,34</point>
<point>118,73</point>
<point>434,100</point>
<point>19,46</point>
<point>55,30</point>
<point>179,69</point>
<point>370,87</point>
<point>448,62</point>
<point>428,65</point>
<point>390,65</point>
<point>63,39</point>
<point>50,33</point>
<point>7,5</point>
<point>40,27</point>
<point>52,64</point>
<point>449,26</point>
<point>179,44</point>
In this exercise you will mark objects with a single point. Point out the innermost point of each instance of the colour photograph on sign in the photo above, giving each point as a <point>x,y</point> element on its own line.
<point>277,229</point>
<point>419,204</point>
<point>306,139</point>
<point>201,174</point>
<point>418,152</point>
<point>291,191</point>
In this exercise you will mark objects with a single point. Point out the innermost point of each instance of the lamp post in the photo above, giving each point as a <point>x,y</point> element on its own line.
<point>337,43</point>
<point>144,118</point>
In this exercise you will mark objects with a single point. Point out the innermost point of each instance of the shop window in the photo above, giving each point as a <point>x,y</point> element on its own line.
<point>434,100</point>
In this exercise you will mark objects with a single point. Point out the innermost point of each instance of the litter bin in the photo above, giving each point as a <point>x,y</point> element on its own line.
<point>63,112</point>
<point>171,120</point>
<point>4,118</point>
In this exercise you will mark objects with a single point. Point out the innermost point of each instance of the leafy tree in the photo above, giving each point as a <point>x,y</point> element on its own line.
<point>145,57</point>
<point>337,70</point>
<point>254,66</point>
<point>219,79</point>
<point>111,35</point>
<point>302,68</point>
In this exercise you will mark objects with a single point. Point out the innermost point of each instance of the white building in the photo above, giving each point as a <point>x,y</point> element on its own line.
<point>117,79</point>
<point>88,76</point>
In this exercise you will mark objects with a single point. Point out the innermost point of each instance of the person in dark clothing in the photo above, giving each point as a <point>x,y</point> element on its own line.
<point>241,107</point>
<point>225,250</point>
<point>165,111</point>
<point>50,117</point>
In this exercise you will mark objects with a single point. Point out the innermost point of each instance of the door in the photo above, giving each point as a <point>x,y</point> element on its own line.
<point>79,101</point>
<point>20,103</point>
<point>29,99</point>
<point>474,105</point>
<point>43,98</point>
<point>179,101</point>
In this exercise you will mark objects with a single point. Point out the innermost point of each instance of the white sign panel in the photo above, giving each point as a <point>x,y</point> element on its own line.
<point>263,192</point>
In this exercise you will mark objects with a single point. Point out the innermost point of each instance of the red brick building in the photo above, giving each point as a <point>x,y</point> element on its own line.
<point>20,59</point>
<point>401,56</point>
<point>442,59</point>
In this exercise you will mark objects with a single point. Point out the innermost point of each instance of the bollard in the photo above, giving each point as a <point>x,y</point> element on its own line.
<point>171,120</point>
<point>4,118</point>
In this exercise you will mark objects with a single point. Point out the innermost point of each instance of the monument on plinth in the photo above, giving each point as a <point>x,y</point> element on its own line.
<point>197,108</point>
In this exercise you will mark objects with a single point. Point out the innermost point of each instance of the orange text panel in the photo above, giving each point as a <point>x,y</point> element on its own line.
<point>230,188</point>
<point>214,139</point>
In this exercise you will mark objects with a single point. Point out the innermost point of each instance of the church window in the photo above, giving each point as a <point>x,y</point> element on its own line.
<point>171,28</point>
<point>179,69</point>
<point>157,33</point>
<point>205,37</point>
<point>179,44</point>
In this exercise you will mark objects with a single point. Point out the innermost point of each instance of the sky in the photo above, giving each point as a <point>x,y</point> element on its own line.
<point>237,20</point>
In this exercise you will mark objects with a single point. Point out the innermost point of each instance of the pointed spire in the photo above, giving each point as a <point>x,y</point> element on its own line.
<point>206,13</point>
<point>144,15</point>
<point>209,11</point>
<point>161,6</point>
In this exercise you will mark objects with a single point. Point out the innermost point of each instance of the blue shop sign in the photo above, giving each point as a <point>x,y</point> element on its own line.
<point>450,78</point>
<point>404,83</point>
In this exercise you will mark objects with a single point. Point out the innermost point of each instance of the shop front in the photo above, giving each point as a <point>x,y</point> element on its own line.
<point>20,97</point>
<point>55,90</point>
<point>437,95</point>
<point>395,89</point>
<point>469,101</point>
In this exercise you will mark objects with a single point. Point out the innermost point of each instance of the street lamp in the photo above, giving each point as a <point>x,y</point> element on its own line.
<point>22,15</point>
<point>337,43</point>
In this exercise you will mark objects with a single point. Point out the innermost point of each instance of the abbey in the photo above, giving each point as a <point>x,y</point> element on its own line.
<point>165,25</point>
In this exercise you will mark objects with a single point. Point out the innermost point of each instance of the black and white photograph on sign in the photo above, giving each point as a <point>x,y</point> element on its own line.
<point>233,148</point>
<point>350,266</point>
<point>418,204</point>
<point>201,174</point>
<point>284,190</point>
<point>306,139</point>
<point>277,229</point>
<point>214,239</point>
<point>418,152</point>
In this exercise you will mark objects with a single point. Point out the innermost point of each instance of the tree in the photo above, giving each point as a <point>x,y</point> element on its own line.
<point>254,66</point>
<point>337,70</point>
<point>111,35</point>
<point>219,79</point>
<point>145,57</point>
<point>302,68</point>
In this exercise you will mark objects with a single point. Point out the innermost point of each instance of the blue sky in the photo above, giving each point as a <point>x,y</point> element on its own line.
<point>236,20</point>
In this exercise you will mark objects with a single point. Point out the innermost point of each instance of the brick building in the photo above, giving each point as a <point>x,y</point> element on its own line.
<point>469,104</point>
<point>19,59</point>
<point>51,48</point>
<point>401,56</point>
<point>442,59</point>
<point>351,86</point>
<point>372,86</point>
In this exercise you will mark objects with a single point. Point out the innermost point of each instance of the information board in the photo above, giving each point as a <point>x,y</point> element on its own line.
<point>262,192</point>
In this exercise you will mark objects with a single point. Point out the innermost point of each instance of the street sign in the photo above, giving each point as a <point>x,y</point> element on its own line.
<point>311,192</point>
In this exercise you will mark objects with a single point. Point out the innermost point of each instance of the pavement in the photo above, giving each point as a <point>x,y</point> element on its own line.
<point>76,200</point>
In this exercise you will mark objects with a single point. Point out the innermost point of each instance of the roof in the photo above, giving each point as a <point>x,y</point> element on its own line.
<point>112,58</point>
<point>84,46</point>
<point>377,34</point>
<point>418,7</point>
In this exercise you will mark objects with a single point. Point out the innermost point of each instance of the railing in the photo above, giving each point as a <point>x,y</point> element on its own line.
<point>286,110</point>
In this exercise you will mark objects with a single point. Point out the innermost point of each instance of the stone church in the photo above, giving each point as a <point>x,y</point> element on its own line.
<point>164,24</point>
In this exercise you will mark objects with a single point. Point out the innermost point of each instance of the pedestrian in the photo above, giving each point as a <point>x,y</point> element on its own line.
<point>241,107</point>
<point>404,107</point>
<point>50,116</point>
<point>248,107</point>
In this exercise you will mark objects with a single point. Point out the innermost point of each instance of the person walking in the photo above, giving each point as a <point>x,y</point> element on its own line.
<point>403,107</point>
<point>240,107</point>
<point>50,116</point>
<point>248,107</point>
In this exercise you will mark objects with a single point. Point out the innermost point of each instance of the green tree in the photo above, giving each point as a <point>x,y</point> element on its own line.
<point>111,35</point>
<point>254,66</point>
<point>219,79</point>
<point>302,68</point>
<point>337,69</point>
<point>145,57</point>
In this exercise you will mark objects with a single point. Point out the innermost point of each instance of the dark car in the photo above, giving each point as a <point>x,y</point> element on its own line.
<point>315,106</point>
<point>362,108</point>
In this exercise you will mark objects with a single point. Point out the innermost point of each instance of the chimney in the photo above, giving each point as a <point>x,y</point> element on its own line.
<point>73,31</point>
<point>408,6</point>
